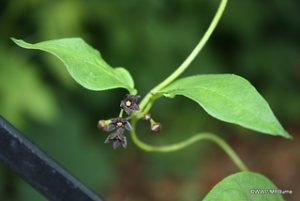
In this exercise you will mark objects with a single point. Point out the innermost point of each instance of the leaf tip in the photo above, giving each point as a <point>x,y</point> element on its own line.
<point>287,135</point>
<point>14,39</point>
<point>19,42</point>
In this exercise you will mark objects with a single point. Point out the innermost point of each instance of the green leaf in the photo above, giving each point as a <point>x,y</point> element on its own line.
<point>84,64</point>
<point>229,98</point>
<point>243,186</point>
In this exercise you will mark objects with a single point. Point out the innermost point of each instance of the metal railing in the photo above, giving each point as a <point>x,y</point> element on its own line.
<point>38,169</point>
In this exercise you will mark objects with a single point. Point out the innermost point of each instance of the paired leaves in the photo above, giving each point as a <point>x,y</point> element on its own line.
<point>84,63</point>
<point>226,97</point>
<point>243,186</point>
<point>229,98</point>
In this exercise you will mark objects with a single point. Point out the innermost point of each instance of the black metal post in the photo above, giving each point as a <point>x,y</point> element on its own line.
<point>38,169</point>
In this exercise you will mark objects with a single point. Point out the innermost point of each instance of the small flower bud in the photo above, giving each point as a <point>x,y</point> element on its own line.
<point>102,125</point>
<point>147,117</point>
<point>155,127</point>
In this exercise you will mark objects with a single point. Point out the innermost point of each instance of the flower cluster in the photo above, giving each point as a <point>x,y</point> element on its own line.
<point>120,124</point>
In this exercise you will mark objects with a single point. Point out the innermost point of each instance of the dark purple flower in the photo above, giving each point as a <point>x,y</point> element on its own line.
<point>120,124</point>
<point>117,140</point>
<point>129,103</point>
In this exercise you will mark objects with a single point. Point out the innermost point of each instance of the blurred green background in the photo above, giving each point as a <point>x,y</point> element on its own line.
<point>256,39</point>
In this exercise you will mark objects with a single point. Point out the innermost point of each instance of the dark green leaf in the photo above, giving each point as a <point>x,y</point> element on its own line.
<point>84,63</point>
<point>243,186</point>
<point>229,98</point>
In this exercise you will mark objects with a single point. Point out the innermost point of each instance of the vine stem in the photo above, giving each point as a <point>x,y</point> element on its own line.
<point>183,144</point>
<point>190,58</point>
<point>148,100</point>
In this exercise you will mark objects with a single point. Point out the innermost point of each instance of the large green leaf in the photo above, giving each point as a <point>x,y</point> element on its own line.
<point>230,98</point>
<point>244,186</point>
<point>84,63</point>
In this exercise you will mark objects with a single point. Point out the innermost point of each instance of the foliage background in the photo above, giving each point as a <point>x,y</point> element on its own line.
<point>258,40</point>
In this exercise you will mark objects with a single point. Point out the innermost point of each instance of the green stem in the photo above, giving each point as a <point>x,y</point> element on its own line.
<point>121,113</point>
<point>148,100</point>
<point>198,137</point>
<point>190,58</point>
